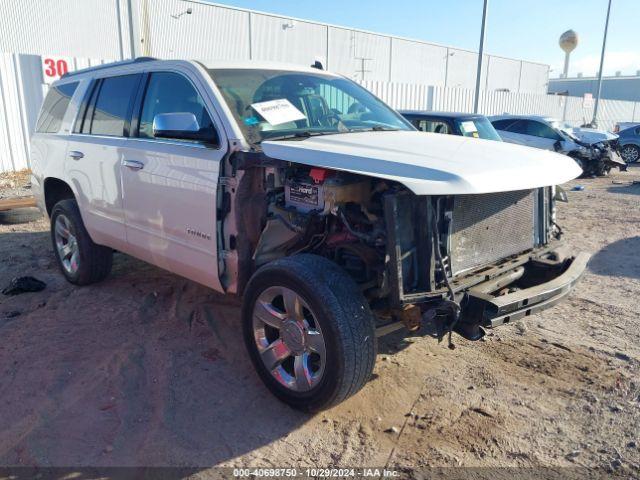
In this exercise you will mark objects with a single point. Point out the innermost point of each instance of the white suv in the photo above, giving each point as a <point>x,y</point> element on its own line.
<point>298,189</point>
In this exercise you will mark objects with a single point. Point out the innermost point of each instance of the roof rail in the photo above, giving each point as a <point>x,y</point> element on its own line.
<point>109,65</point>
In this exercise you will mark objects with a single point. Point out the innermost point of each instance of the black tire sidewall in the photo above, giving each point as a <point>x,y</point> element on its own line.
<point>69,208</point>
<point>325,305</point>
<point>333,367</point>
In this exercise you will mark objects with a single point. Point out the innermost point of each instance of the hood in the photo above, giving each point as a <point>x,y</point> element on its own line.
<point>592,135</point>
<point>430,163</point>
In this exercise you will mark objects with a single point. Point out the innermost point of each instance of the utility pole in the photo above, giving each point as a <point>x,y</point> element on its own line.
<point>476,98</point>
<point>594,121</point>
<point>362,70</point>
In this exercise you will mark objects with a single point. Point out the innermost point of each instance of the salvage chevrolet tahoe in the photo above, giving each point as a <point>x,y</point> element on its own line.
<point>299,190</point>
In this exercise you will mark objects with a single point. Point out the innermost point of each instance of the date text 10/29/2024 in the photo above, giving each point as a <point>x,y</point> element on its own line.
<point>315,473</point>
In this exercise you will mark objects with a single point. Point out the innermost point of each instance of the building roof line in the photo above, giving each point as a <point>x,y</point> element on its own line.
<point>359,30</point>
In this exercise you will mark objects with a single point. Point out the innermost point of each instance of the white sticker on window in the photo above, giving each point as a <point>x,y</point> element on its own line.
<point>279,111</point>
<point>468,127</point>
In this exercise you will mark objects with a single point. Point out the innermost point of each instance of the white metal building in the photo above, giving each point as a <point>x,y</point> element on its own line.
<point>117,29</point>
<point>613,88</point>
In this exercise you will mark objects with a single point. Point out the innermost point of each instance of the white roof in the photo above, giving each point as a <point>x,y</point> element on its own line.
<point>262,65</point>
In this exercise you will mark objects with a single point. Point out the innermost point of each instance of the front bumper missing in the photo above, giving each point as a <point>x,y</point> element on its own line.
<point>487,310</point>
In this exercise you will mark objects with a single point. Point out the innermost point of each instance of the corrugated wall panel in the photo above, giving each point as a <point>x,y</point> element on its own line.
<point>534,78</point>
<point>347,47</point>
<point>208,33</point>
<point>462,69</point>
<point>283,40</point>
<point>13,114</point>
<point>61,27</point>
<point>413,62</point>
<point>502,73</point>
<point>399,95</point>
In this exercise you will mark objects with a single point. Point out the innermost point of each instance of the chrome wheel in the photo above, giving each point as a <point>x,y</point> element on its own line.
<point>630,153</point>
<point>289,339</point>
<point>66,244</point>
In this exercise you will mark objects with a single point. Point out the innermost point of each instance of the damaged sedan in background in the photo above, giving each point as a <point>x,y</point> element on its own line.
<point>595,151</point>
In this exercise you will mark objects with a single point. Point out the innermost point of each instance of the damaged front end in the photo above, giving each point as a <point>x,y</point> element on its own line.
<point>598,159</point>
<point>470,262</point>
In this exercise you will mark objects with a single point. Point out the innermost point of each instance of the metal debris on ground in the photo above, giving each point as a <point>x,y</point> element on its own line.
<point>22,285</point>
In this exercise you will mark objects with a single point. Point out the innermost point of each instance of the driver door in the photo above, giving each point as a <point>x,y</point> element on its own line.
<point>541,135</point>
<point>170,185</point>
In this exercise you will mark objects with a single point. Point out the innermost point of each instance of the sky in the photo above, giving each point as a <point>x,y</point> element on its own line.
<point>523,29</point>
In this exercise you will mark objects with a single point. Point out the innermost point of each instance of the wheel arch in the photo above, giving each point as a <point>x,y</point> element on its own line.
<point>55,190</point>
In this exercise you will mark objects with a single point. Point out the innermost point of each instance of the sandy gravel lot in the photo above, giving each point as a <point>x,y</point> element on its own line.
<point>148,369</point>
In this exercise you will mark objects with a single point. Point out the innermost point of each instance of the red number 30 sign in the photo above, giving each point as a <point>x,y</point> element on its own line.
<point>53,68</point>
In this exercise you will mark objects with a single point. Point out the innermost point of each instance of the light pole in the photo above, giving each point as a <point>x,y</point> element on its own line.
<point>594,121</point>
<point>476,97</point>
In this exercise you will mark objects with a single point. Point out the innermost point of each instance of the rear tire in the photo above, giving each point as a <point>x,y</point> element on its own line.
<point>82,261</point>
<point>332,307</point>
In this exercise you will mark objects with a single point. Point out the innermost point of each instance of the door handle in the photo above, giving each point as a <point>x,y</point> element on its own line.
<point>76,155</point>
<point>133,164</point>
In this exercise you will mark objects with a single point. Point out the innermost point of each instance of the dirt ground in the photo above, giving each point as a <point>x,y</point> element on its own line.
<point>148,369</point>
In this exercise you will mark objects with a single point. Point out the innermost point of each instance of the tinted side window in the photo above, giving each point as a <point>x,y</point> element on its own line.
<point>539,129</point>
<point>519,126</point>
<point>111,111</point>
<point>171,93</point>
<point>54,107</point>
<point>502,124</point>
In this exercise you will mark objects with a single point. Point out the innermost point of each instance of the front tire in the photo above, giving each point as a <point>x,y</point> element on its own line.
<point>81,260</point>
<point>309,331</point>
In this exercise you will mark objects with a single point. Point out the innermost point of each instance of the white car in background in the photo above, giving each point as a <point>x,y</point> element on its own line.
<point>596,151</point>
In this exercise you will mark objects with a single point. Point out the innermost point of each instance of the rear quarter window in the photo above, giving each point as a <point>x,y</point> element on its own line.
<point>54,107</point>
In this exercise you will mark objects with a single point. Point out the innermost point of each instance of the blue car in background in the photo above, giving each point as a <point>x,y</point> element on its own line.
<point>629,140</point>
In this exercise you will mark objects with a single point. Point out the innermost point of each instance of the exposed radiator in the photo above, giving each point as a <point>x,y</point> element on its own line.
<point>488,227</point>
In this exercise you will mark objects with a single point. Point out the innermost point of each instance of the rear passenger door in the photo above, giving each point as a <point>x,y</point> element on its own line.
<point>169,184</point>
<point>94,153</point>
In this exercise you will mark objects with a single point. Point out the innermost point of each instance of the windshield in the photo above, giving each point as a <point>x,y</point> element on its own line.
<point>565,128</point>
<point>276,104</point>
<point>478,128</point>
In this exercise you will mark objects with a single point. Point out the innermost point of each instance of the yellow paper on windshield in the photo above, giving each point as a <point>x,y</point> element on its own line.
<point>277,112</point>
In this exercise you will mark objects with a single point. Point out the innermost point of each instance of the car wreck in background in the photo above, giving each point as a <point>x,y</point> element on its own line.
<point>596,151</point>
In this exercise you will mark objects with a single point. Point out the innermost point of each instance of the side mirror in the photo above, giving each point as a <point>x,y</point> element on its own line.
<point>557,146</point>
<point>561,195</point>
<point>182,126</point>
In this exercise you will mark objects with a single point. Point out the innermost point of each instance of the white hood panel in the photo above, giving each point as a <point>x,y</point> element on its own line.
<point>431,163</point>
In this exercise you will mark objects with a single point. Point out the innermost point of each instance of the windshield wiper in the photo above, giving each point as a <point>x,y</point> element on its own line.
<point>376,128</point>
<point>297,135</point>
